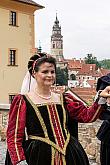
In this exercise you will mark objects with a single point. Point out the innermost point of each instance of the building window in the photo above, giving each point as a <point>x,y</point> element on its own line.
<point>53,46</point>
<point>12,57</point>
<point>11,98</point>
<point>13,18</point>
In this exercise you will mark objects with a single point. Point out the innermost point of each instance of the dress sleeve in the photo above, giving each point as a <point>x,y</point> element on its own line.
<point>16,129</point>
<point>78,111</point>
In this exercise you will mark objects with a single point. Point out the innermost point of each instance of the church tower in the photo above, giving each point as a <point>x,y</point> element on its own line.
<point>57,41</point>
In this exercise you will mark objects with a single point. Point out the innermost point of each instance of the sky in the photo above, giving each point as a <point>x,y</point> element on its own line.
<point>85,27</point>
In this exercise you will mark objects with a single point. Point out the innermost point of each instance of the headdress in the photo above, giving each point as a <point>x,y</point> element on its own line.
<point>33,61</point>
<point>29,83</point>
<point>103,82</point>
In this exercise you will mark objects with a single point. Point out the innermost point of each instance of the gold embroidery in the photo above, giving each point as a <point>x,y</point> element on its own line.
<point>60,124</point>
<point>39,116</point>
<point>63,159</point>
<point>52,155</point>
<point>16,130</point>
<point>46,140</point>
<point>52,124</point>
<point>64,114</point>
<point>56,139</point>
<point>97,111</point>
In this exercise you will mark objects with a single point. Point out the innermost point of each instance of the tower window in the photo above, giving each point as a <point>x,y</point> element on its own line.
<point>53,45</point>
<point>13,18</point>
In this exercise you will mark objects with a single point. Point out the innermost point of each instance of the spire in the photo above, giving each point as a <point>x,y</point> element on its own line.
<point>39,48</point>
<point>56,21</point>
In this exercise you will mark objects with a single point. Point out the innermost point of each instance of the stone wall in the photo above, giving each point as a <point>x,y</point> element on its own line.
<point>3,124</point>
<point>89,141</point>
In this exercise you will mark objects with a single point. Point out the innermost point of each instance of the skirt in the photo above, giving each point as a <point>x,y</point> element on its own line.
<point>41,153</point>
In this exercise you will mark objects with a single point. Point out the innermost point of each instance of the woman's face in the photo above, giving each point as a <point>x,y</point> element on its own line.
<point>45,75</point>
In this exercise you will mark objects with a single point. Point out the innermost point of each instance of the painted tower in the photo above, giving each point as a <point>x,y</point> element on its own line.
<point>57,41</point>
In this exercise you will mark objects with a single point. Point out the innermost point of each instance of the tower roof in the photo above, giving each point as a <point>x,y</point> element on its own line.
<point>56,21</point>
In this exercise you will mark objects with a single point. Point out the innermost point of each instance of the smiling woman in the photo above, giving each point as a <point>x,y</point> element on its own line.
<point>38,128</point>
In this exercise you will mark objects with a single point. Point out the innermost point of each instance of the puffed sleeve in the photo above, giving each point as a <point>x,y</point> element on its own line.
<point>16,129</point>
<point>78,111</point>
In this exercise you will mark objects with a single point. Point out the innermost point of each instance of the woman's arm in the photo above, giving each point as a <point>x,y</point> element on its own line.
<point>78,111</point>
<point>16,129</point>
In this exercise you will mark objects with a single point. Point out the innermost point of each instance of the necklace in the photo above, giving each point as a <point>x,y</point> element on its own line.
<point>44,97</point>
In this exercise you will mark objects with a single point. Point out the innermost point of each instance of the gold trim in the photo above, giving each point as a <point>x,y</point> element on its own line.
<point>17,151</point>
<point>97,111</point>
<point>63,159</point>
<point>46,140</point>
<point>39,116</point>
<point>52,125</point>
<point>64,114</point>
<point>52,155</point>
<point>59,124</point>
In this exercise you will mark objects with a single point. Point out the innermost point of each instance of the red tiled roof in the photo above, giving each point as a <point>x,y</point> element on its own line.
<point>89,69</point>
<point>104,71</point>
<point>75,64</point>
<point>92,83</point>
<point>86,94</point>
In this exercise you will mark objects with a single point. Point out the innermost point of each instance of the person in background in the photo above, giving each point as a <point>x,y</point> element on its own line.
<point>103,133</point>
<point>37,132</point>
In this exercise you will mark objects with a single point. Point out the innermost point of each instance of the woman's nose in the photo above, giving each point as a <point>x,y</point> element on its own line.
<point>49,74</point>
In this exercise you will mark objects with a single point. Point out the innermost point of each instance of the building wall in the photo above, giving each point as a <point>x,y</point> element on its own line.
<point>21,38</point>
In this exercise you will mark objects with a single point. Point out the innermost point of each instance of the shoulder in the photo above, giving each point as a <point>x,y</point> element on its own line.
<point>17,98</point>
<point>69,96</point>
<point>56,96</point>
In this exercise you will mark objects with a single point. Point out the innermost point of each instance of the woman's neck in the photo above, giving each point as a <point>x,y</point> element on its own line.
<point>45,91</point>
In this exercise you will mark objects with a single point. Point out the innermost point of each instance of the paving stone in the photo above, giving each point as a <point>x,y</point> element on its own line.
<point>2,153</point>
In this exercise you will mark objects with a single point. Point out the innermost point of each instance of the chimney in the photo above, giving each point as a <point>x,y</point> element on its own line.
<point>91,67</point>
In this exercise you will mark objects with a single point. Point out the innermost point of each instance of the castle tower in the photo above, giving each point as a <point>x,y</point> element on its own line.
<point>57,41</point>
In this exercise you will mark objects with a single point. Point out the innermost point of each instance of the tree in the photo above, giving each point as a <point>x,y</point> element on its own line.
<point>105,63</point>
<point>90,59</point>
<point>61,76</point>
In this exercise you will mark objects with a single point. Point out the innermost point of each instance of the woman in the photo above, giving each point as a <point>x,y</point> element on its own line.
<point>104,131</point>
<point>44,116</point>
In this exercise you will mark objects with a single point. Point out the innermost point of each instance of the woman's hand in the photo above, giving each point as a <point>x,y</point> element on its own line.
<point>22,163</point>
<point>106,93</point>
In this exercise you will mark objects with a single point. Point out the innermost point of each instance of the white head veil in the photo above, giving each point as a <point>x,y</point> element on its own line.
<point>28,84</point>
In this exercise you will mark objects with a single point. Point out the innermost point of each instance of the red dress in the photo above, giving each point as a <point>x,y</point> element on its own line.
<point>49,140</point>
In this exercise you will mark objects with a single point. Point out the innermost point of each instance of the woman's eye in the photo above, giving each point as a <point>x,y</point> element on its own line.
<point>52,71</point>
<point>45,71</point>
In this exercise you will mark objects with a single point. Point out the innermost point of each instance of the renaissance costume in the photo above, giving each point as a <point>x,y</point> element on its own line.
<point>48,141</point>
<point>103,133</point>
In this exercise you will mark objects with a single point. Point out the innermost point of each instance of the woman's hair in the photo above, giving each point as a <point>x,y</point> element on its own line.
<point>36,60</point>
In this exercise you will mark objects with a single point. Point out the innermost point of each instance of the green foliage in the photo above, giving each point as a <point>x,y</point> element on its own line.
<point>90,59</point>
<point>61,76</point>
<point>105,63</point>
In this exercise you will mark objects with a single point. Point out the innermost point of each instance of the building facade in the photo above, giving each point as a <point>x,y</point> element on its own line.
<point>16,44</point>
